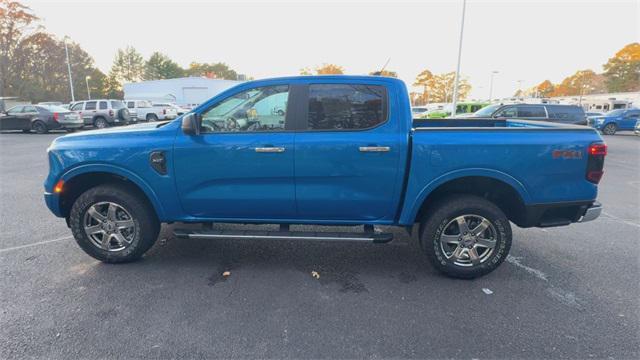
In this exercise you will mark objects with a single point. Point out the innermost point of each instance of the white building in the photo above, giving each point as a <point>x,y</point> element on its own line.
<point>182,91</point>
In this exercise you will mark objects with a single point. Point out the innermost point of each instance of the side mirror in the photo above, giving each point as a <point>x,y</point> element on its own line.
<point>191,124</point>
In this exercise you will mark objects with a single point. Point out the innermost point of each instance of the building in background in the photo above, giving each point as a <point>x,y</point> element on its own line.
<point>187,91</point>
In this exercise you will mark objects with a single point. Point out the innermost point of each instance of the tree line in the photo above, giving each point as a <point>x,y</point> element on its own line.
<point>33,66</point>
<point>33,63</point>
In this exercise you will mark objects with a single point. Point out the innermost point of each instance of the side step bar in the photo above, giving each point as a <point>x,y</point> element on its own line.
<point>374,237</point>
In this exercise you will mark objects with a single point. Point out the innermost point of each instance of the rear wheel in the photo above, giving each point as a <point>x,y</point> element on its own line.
<point>609,129</point>
<point>466,236</point>
<point>39,127</point>
<point>113,224</point>
<point>152,117</point>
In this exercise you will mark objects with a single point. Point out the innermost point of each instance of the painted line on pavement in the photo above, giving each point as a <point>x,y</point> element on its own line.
<point>35,244</point>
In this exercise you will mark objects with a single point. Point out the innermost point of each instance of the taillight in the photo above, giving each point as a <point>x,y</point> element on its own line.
<point>110,112</point>
<point>595,162</point>
<point>55,116</point>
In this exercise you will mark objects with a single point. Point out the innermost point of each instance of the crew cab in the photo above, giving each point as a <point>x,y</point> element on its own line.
<point>325,150</point>
<point>149,112</point>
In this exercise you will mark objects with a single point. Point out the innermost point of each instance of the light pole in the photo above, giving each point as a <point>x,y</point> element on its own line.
<point>493,73</point>
<point>87,78</point>
<point>66,50</point>
<point>455,84</point>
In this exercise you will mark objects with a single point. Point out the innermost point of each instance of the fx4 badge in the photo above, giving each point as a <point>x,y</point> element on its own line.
<point>566,154</point>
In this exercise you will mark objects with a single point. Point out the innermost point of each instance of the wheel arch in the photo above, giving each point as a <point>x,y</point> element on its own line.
<point>80,179</point>
<point>509,194</point>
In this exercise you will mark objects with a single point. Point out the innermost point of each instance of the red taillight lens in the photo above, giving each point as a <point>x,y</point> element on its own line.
<point>110,112</point>
<point>598,149</point>
<point>55,116</point>
<point>595,162</point>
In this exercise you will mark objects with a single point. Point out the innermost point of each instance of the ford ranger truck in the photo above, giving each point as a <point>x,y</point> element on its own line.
<point>325,150</point>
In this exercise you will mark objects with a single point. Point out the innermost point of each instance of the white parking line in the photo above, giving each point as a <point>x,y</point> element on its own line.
<point>537,273</point>
<point>36,244</point>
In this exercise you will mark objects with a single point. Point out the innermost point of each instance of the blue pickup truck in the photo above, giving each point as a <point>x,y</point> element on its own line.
<point>616,120</point>
<point>327,150</point>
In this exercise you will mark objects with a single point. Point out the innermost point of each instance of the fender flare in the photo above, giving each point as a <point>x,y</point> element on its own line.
<point>127,174</point>
<point>409,217</point>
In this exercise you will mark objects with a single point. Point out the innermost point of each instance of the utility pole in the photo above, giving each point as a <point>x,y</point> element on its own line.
<point>66,50</point>
<point>491,85</point>
<point>455,84</point>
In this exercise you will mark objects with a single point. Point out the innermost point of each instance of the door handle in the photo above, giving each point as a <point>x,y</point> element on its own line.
<point>269,149</point>
<point>374,148</point>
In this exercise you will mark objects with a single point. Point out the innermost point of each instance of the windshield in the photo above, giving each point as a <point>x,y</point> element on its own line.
<point>486,111</point>
<point>614,112</point>
<point>116,104</point>
<point>53,108</point>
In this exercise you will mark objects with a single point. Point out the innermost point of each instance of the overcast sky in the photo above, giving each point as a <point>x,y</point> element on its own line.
<point>523,40</point>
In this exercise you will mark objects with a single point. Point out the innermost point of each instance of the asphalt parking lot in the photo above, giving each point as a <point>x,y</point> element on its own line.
<point>570,292</point>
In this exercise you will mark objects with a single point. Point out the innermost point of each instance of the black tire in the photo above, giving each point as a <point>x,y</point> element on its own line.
<point>71,130</point>
<point>610,129</point>
<point>124,115</point>
<point>444,213</point>
<point>26,131</point>
<point>152,117</point>
<point>146,222</point>
<point>39,127</point>
<point>100,123</point>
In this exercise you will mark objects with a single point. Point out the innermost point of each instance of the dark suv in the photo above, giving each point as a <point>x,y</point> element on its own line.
<point>568,114</point>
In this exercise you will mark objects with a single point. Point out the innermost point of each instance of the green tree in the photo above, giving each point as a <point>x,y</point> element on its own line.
<point>212,71</point>
<point>160,66</point>
<point>128,65</point>
<point>17,22</point>
<point>622,71</point>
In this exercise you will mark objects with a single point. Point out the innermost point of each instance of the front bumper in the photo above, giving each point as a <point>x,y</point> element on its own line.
<point>53,203</point>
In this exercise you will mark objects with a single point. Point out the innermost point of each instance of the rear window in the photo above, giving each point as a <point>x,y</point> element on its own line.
<point>53,108</point>
<point>116,104</point>
<point>346,107</point>
<point>90,105</point>
<point>566,113</point>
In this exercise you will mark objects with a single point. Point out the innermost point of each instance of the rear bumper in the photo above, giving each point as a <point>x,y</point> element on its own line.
<point>559,214</point>
<point>592,212</point>
<point>74,125</point>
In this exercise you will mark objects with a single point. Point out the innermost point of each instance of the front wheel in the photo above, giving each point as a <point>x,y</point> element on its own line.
<point>610,129</point>
<point>113,224</point>
<point>466,236</point>
<point>100,123</point>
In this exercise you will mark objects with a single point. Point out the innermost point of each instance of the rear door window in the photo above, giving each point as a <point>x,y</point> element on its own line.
<point>131,104</point>
<point>103,105</point>
<point>346,107</point>
<point>90,105</point>
<point>507,112</point>
<point>531,112</point>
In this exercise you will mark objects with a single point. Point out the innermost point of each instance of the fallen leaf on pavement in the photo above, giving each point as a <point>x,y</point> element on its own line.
<point>315,274</point>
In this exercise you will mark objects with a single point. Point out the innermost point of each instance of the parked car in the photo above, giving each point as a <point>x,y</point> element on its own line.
<point>148,112</point>
<point>416,111</point>
<point>616,120</point>
<point>461,108</point>
<point>39,118</point>
<point>178,109</point>
<point>102,113</point>
<point>566,114</point>
<point>346,151</point>
<point>591,113</point>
